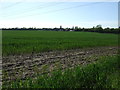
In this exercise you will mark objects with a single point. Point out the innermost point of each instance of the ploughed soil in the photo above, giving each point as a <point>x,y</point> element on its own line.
<point>24,66</point>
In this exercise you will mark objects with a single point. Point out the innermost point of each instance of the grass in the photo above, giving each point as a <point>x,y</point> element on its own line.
<point>21,42</point>
<point>102,74</point>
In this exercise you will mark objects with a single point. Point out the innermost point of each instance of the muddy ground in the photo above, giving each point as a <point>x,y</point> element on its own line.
<point>23,66</point>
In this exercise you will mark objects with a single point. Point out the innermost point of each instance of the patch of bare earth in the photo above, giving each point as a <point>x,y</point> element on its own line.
<point>23,66</point>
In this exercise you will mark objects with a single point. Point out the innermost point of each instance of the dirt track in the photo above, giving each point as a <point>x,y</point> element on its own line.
<point>22,66</point>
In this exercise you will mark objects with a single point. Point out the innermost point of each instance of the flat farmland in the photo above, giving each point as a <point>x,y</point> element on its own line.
<point>21,42</point>
<point>59,59</point>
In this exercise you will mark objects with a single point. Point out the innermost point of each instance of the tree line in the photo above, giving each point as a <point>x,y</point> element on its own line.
<point>98,29</point>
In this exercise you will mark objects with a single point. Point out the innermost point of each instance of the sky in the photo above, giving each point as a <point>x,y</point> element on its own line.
<point>53,14</point>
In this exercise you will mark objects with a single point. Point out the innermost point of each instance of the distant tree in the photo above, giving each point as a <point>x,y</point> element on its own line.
<point>93,29</point>
<point>73,28</point>
<point>107,30</point>
<point>99,28</point>
<point>60,27</point>
<point>80,29</point>
<point>67,29</point>
<point>76,28</point>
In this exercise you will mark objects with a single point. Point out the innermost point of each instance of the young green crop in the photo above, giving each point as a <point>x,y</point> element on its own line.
<point>20,42</point>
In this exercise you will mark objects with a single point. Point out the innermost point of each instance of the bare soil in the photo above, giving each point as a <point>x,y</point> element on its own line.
<point>23,66</point>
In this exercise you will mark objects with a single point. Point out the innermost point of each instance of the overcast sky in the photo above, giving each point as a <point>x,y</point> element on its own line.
<point>54,14</point>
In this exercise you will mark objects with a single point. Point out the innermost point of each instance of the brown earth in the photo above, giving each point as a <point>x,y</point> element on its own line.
<point>23,66</point>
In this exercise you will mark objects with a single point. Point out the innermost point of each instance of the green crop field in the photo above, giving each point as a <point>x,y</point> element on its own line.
<point>20,42</point>
<point>103,73</point>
